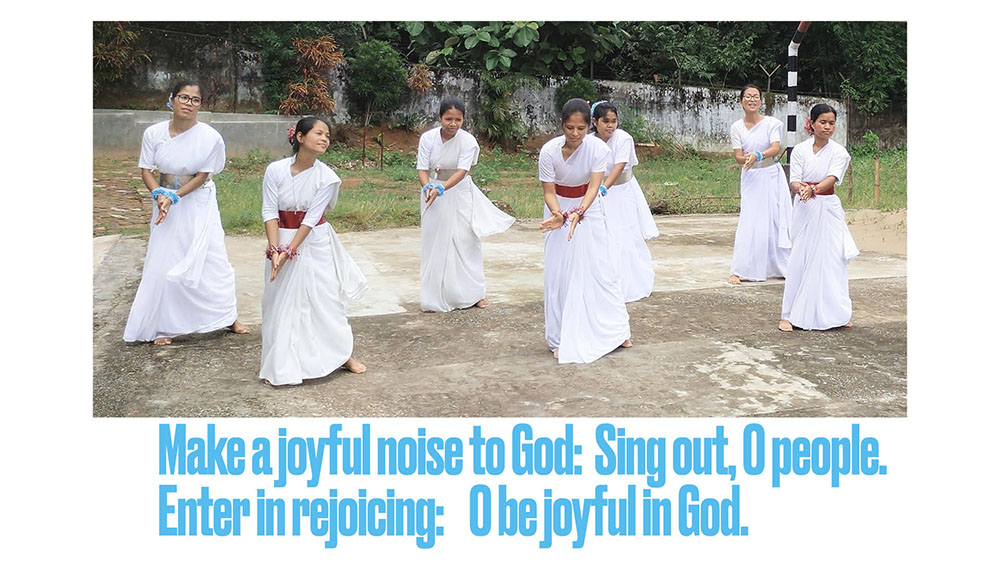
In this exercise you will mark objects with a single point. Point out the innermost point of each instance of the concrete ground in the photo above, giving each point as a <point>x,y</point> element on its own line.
<point>702,347</point>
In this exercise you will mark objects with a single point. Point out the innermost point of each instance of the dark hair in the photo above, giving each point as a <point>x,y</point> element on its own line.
<point>819,109</point>
<point>304,126</point>
<point>451,102</point>
<point>182,84</point>
<point>749,86</point>
<point>576,105</point>
<point>602,109</point>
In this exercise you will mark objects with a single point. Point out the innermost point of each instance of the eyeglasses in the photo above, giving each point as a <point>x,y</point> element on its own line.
<point>752,98</point>
<point>185,99</point>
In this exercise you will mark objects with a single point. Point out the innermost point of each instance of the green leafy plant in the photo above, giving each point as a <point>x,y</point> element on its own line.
<point>575,87</point>
<point>868,147</point>
<point>115,52</point>
<point>498,119</point>
<point>377,81</point>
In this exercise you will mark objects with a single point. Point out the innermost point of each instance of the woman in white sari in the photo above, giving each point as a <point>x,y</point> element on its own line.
<point>308,275</point>
<point>762,236</point>
<point>455,215</point>
<point>628,213</point>
<point>816,294</point>
<point>585,314</point>
<point>188,285</point>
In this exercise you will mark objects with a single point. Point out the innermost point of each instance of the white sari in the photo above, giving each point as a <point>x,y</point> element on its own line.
<point>585,314</point>
<point>816,293</point>
<point>762,236</point>
<point>188,285</point>
<point>629,219</point>
<point>451,229</point>
<point>305,332</point>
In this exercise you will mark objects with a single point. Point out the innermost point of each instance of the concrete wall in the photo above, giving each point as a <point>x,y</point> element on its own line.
<point>699,117</point>
<point>122,130</point>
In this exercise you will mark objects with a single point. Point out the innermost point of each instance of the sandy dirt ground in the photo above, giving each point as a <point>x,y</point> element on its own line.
<point>702,347</point>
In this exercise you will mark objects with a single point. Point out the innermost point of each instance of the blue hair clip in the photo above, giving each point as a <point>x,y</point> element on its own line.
<point>170,103</point>
<point>594,107</point>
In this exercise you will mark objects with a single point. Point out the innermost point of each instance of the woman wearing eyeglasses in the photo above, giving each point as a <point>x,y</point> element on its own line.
<point>188,285</point>
<point>762,236</point>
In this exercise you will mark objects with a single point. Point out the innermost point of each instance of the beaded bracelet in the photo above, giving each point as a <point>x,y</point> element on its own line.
<point>577,210</point>
<point>174,198</point>
<point>272,250</point>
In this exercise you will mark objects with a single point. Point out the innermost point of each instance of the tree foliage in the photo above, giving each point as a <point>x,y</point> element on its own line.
<point>862,60</point>
<point>377,80</point>
<point>311,94</point>
<point>115,52</point>
<point>576,87</point>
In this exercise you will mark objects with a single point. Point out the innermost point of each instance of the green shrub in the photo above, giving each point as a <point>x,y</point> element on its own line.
<point>576,87</point>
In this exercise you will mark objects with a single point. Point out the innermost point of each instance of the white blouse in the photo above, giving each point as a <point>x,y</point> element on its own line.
<point>622,147</point>
<point>431,146</point>
<point>831,160</point>
<point>199,149</point>
<point>591,156</point>
<point>757,138</point>
<point>312,190</point>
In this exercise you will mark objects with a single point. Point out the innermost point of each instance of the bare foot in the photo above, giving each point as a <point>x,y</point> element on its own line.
<point>785,326</point>
<point>734,279</point>
<point>238,328</point>
<point>555,353</point>
<point>162,341</point>
<point>849,324</point>
<point>355,366</point>
<point>627,343</point>
<point>482,304</point>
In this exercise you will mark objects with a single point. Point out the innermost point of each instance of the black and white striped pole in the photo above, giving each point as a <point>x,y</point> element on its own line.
<point>793,82</point>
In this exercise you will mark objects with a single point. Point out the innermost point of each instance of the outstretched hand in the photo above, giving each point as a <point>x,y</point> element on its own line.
<point>552,223</point>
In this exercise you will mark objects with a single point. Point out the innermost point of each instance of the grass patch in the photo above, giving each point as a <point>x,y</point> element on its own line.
<point>673,183</point>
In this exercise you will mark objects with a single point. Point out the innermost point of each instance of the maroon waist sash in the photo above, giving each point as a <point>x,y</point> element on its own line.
<point>293,219</point>
<point>572,191</point>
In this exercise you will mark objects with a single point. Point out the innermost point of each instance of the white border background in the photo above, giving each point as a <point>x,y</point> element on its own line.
<point>79,485</point>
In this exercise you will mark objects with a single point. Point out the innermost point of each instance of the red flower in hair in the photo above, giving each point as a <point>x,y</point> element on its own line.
<point>291,135</point>
<point>808,126</point>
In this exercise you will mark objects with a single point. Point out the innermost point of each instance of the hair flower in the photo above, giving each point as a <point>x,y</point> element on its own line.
<point>291,135</point>
<point>808,126</point>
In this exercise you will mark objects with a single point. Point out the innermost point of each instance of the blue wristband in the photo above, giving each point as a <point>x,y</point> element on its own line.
<point>603,190</point>
<point>760,156</point>
<point>440,189</point>
<point>174,198</point>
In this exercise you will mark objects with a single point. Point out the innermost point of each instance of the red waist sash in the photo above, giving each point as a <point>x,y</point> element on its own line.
<point>572,191</point>
<point>293,219</point>
<point>814,184</point>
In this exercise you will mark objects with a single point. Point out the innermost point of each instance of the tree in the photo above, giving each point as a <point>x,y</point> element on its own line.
<point>115,52</point>
<point>377,81</point>
<point>311,93</point>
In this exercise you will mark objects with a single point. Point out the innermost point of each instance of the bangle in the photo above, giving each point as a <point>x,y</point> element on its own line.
<point>272,250</point>
<point>174,198</point>
<point>603,190</point>
<point>578,211</point>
